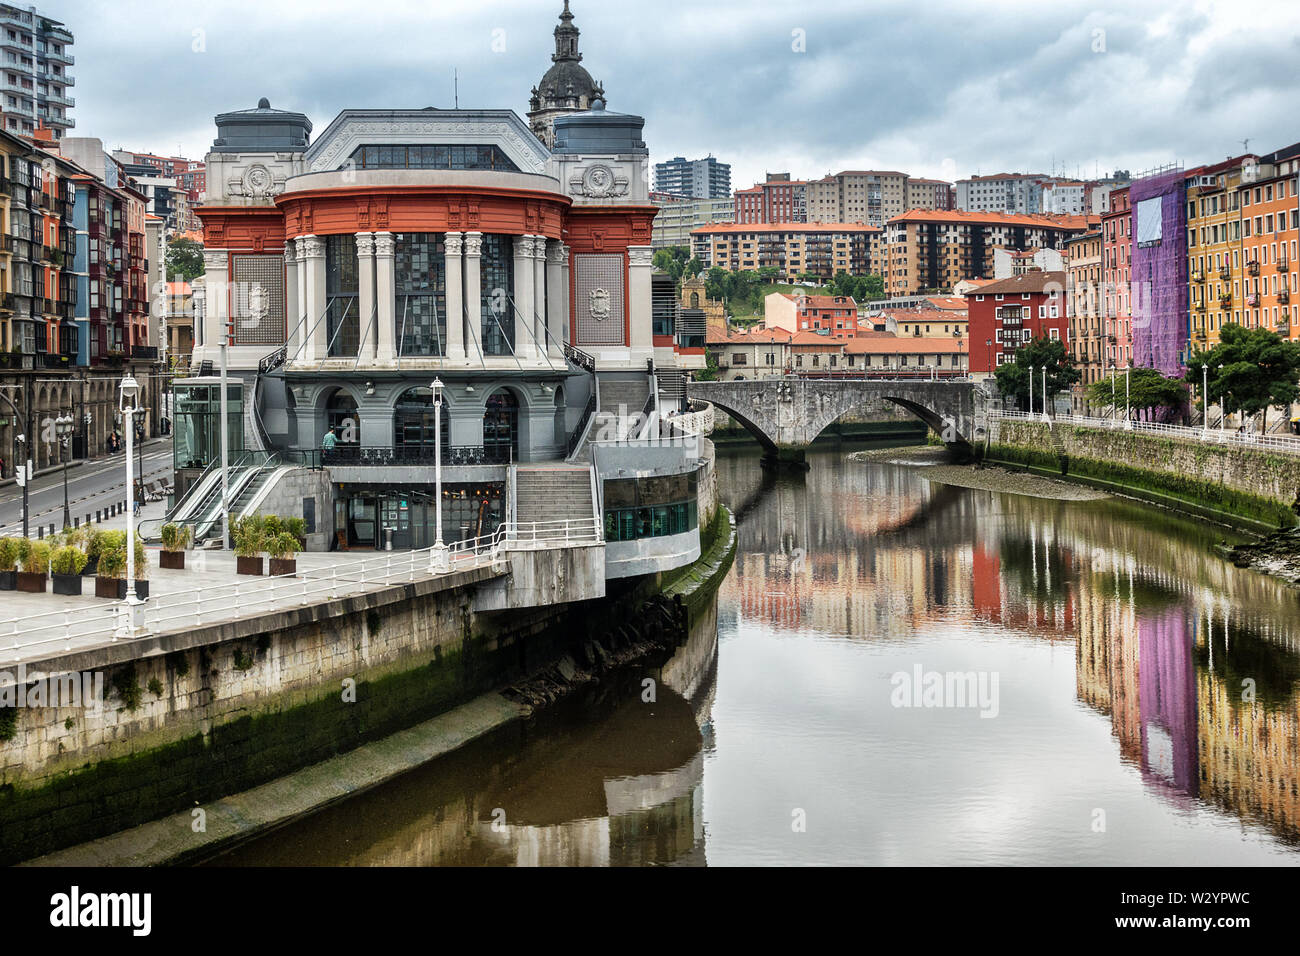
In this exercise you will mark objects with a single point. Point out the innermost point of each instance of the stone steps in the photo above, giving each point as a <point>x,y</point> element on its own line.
<point>552,494</point>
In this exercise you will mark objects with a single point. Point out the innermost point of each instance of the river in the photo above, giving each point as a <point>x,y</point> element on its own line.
<point>897,671</point>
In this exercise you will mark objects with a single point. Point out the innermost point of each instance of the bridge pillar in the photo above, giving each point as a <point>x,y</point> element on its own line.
<point>785,458</point>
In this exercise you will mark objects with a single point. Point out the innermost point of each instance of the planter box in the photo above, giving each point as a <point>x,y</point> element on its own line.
<point>284,566</point>
<point>91,567</point>
<point>8,580</point>
<point>32,581</point>
<point>251,565</point>
<point>174,560</point>
<point>67,583</point>
<point>115,588</point>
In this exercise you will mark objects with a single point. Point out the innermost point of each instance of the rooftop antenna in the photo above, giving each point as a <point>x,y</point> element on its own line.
<point>455,80</point>
<point>1245,145</point>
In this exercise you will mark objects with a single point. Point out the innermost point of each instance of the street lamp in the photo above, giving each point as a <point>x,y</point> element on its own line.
<point>22,464</point>
<point>441,557</point>
<point>1113,409</point>
<point>63,429</point>
<point>1128,417</point>
<point>129,391</point>
<point>1205,400</point>
<point>1045,418</point>
<point>1223,408</point>
<point>1031,391</point>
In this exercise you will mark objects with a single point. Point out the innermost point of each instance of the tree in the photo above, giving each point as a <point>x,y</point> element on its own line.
<point>1013,377</point>
<point>184,259</point>
<point>710,371</point>
<point>694,267</point>
<point>1146,389</point>
<point>1257,366</point>
<point>672,260</point>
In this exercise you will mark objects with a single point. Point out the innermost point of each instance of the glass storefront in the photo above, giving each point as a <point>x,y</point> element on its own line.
<point>501,427</point>
<point>196,420</point>
<point>415,425</point>
<point>370,517</point>
<point>650,507</point>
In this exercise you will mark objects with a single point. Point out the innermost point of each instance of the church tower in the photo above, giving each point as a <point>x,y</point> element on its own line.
<point>567,87</point>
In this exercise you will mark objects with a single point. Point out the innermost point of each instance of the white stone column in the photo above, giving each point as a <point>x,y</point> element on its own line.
<point>640,316</point>
<point>557,297</point>
<point>385,286</point>
<point>304,322</point>
<point>216,285</point>
<point>474,292</point>
<point>366,295</point>
<point>453,270</point>
<point>292,312</point>
<point>523,298</point>
<point>538,317</point>
<point>313,267</point>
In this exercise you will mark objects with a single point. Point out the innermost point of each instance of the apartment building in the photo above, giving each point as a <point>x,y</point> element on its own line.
<point>870,196</point>
<point>818,248</point>
<point>1117,255</point>
<point>1270,226</point>
<point>190,174</point>
<point>694,178</point>
<point>1083,310</point>
<point>1006,314</point>
<point>1002,192</point>
<point>833,315</point>
<point>931,250</point>
<point>1214,228</point>
<point>678,217</point>
<point>35,78</point>
<point>779,199</point>
<point>930,194</point>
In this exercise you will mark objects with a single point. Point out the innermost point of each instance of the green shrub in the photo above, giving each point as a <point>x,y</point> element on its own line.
<point>9,550</point>
<point>37,558</point>
<point>296,527</point>
<point>176,537</point>
<point>112,554</point>
<point>95,543</point>
<point>283,546</point>
<point>68,559</point>
<point>250,536</point>
<point>272,525</point>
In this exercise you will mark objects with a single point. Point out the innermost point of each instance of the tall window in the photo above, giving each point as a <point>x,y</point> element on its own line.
<point>343,324</point>
<point>498,295</point>
<point>421,286</point>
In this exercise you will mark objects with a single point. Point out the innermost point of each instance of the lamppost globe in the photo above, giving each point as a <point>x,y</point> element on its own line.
<point>128,390</point>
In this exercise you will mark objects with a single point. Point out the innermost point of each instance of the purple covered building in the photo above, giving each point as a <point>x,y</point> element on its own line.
<point>1158,280</point>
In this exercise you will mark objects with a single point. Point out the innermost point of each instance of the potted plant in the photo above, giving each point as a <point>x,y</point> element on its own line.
<point>298,528</point>
<point>94,546</point>
<point>141,570</point>
<point>111,565</point>
<point>35,566</point>
<point>65,565</point>
<point>282,548</point>
<point>8,564</point>
<point>175,539</point>
<point>250,542</point>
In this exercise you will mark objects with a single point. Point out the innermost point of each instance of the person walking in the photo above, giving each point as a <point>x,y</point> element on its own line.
<point>328,442</point>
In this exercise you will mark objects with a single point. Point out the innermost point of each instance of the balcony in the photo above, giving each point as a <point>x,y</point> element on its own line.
<point>1252,300</point>
<point>1198,276</point>
<point>414,455</point>
<point>144,352</point>
<point>17,360</point>
<point>1225,300</point>
<point>56,361</point>
<point>1252,268</point>
<point>1225,273</point>
<point>1200,306</point>
<point>1284,297</point>
<point>1282,265</point>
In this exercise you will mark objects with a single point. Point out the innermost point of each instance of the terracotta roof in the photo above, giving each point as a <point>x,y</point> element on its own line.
<point>870,172</point>
<point>924,315</point>
<point>950,303</point>
<point>822,301</point>
<point>785,227</point>
<point>1040,220</point>
<point>811,338</point>
<point>978,282</point>
<point>930,182</point>
<point>178,288</point>
<point>905,345</point>
<point>759,337</point>
<point>1034,281</point>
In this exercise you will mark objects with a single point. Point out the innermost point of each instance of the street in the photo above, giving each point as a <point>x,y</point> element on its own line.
<point>92,485</point>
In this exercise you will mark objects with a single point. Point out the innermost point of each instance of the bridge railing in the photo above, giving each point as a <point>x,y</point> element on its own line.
<point>1213,436</point>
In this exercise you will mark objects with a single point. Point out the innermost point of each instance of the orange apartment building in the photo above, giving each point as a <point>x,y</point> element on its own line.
<point>1084,305</point>
<point>816,248</point>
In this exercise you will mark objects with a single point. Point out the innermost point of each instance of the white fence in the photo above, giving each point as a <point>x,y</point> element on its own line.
<point>1214,436</point>
<point>40,634</point>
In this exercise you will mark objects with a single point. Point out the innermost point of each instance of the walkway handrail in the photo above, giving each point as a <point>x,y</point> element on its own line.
<point>1288,444</point>
<point>212,603</point>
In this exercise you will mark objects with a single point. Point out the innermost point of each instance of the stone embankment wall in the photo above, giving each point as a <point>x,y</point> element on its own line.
<point>1228,481</point>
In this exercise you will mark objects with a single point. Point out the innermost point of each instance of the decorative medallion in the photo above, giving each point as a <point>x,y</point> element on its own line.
<point>599,182</point>
<point>599,302</point>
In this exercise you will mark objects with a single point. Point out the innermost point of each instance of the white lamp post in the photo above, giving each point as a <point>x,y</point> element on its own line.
<point>441,556</point>
<point>1045,418</point>
<point>1223,408</point>
<point>1128,416</point>
<point>63,430</point>
<point>1205,400</point>
<point>1031,391</point>
<point>129,391</point>
<point>1113,409</point>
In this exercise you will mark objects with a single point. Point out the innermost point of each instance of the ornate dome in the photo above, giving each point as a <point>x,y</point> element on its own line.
<point>566,86</point>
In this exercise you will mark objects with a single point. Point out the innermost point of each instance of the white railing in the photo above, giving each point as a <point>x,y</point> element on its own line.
<point>691,423</point>
<point>242,596</point>
<point>1213,436</point>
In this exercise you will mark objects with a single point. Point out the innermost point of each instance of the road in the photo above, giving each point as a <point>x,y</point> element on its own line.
<point>92,485</point>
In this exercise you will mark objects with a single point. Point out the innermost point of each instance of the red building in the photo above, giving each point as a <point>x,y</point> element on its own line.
<point>779,199</point>
<point>1116,252</point>
<point>1006,314</point>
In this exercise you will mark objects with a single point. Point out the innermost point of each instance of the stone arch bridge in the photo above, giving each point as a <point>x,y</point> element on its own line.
<point>786,414</point>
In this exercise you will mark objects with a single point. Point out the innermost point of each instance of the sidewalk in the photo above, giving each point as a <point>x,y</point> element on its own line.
<point>77,463</point>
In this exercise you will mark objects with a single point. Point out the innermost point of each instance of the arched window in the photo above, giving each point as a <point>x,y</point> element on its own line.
<point>342,418</point>
<point>414,434</point>
<point>501,427</point>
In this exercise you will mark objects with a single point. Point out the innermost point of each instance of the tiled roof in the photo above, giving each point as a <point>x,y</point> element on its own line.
<point>822,301</point>
<point>949,303</point>
<point>1033,281</point>
<point>905,345</point>
<point>785,227</point>
<point>958,216</point>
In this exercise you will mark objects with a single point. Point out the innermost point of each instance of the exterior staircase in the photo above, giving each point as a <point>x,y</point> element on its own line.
<point>619,398</point>
<point>552,493</point>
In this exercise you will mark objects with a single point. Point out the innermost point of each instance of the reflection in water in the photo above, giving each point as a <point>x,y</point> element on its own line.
<point>1143,681</point>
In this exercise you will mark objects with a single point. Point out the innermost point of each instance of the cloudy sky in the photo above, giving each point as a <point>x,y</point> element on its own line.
<point>933,88</point>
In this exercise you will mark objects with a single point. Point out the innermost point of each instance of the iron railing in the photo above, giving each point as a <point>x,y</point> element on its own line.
<point>414,455</point>
<point>1220,436</point>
